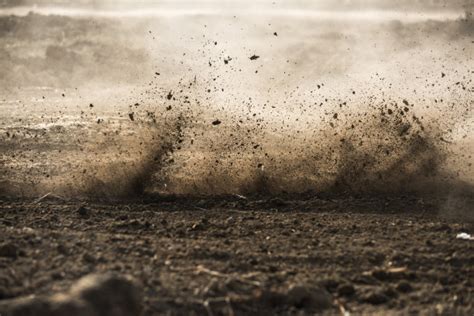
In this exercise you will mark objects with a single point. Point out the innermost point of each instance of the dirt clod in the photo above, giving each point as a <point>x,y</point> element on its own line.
<point>376,298</point>
<point>92,295</point>
<point>303,296</point>
<point>404,287</point>
<point>346,289</point>
<point>9,250</point>
<point>82,211</point>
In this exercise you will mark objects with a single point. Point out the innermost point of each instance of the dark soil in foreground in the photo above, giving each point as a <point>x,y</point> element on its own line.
<point>235,256</point>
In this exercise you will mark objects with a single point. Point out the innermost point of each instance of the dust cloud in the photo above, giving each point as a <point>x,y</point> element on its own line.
<point>362,98</point>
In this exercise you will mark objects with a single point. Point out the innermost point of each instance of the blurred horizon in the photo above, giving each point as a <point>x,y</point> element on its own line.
<point>403,5</point>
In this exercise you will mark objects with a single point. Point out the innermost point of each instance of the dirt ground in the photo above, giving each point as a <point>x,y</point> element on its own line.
<point>232,255</point>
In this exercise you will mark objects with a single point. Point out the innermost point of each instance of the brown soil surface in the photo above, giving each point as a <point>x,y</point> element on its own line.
<point>234,256</point>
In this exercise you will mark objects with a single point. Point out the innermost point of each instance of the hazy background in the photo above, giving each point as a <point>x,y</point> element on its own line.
<point>334,4</point>
<point>211,97</point>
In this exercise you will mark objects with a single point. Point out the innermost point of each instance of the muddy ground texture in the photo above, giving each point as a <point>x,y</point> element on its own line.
<point>236,255</point>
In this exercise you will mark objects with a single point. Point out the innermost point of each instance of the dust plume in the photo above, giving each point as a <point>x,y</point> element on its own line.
<point>118,103</point>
